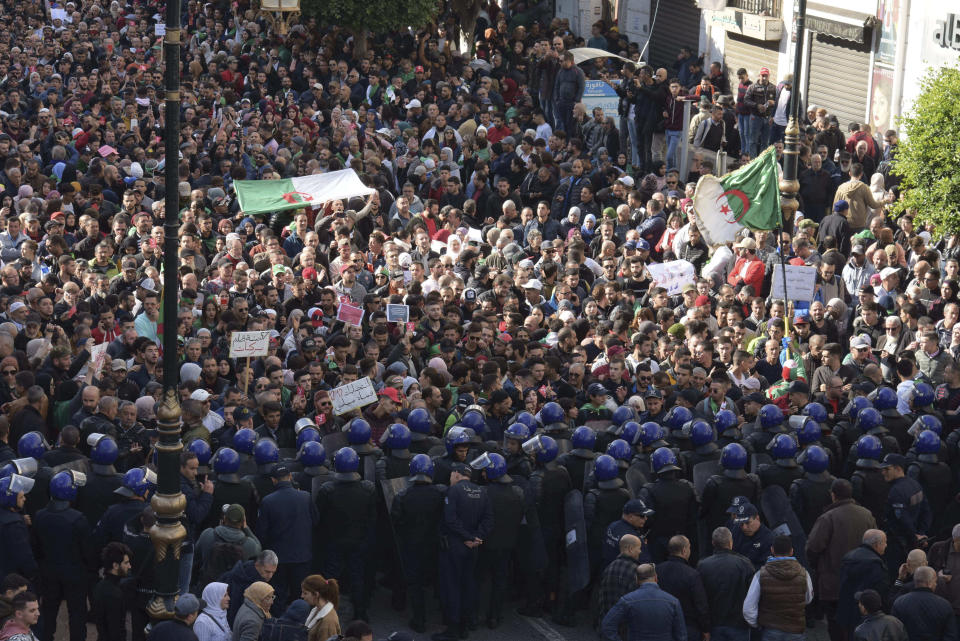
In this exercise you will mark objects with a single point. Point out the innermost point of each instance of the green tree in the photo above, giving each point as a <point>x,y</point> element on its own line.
<point>366,18</point>
<point>928,159</point>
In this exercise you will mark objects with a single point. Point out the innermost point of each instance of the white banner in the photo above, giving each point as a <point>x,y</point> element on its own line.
<point>249,344</point>
<point>353,395</point>
<point>672,275</point>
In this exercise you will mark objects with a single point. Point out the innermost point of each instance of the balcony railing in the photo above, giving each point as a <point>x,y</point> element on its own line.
<point>770,8</point>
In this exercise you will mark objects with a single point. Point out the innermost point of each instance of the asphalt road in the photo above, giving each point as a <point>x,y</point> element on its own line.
<point>515,627</point>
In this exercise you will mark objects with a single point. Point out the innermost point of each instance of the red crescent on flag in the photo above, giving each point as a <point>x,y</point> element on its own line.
<point>291,197</point>
<point>743,198</point>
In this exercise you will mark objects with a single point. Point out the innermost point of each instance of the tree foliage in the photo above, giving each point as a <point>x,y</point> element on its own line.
<point>372,17</point>
<point>928,160</point>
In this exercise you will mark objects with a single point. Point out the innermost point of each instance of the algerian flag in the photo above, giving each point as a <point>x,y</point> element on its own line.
<point>257,196</point>
<point>748,197</point>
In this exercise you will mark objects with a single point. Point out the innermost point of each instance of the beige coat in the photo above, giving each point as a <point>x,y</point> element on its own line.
<point>858,195</point>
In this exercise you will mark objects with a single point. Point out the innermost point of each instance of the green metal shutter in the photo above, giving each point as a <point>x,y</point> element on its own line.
<point>677,25</point>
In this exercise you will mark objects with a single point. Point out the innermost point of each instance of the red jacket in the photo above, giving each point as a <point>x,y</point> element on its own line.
<point>749,271</point>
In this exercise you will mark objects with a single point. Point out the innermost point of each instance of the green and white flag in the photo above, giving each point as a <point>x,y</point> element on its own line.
<point>258,196</point>
<point>749,197</point>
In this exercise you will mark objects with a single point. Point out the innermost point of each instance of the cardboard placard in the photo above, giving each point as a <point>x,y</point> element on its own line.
<point>672,275</point>
<point>398,313</point>
<point>99,358</point>
<point>351,396</point>
<point>350,314</point>
<point>249,344</point>
<point>801,282</point>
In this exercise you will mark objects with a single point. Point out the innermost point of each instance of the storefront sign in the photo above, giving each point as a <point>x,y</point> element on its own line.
<point>836,29</point>
<point>748,24</point>
<point>947,32</point>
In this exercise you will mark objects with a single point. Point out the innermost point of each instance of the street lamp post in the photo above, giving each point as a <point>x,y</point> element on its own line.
<point>789,185</point>
<point>168,502</point>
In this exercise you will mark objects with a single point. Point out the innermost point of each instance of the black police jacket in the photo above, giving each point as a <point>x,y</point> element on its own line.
<point>726,577</point>
<point>348,511</point>
<point>467,514</point>
<point>61,533</point>
<point>17,554</point>
<point>507,502</point>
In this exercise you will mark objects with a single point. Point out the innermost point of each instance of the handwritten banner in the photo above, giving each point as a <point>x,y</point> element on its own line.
<point>249,344</point>
<point>801,281</point>
<point>350,314</point>
<point>672,275</point>
<point>353,395</point>
<point>398,313</point>
<point>98,358</point>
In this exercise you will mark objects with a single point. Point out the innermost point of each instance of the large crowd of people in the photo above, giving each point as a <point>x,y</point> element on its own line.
<point>555,433</point>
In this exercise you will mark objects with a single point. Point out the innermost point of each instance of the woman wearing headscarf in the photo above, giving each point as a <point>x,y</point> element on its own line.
<point>257,600</point>
<point>324,595</point>
<point>211,623</point>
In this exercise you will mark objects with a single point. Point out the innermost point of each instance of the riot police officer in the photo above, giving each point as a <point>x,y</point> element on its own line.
<point>810,494</point>
<point>885,401</point>
<point>14,534</point>
<point>934,477</point>
<point>555,425</point>
<point>396,461</point>
<point>421,431</point>
<point>769,423</point>
<point>518,465</point>
<point>348,511</point>
<point>784,469</point>
<point>721,489</point>
<point>549,485</point>
<point>846,431</point>
<point>869,487</point>
<point>728,428</point>
<point>508,504</point>
<point>266,455</point>
<point>650,437</point>
<point>137,484</point>
<point>603,505</point>
<point>674,501</point>
<point>579,460</point>
<point>416,513</point>
<point>61,534</point>
<point>808,434</point>
<point>243,443</point>
<point>457,443</point>
<point>358,438</point>
<point>818,413</point>
<point>614,431</point>
<point>230,488</point>
<point>674,422</point>
<point>312,456</point>
<point>907,517</point>
<point>97,494</point>
<point>870,422</point>
<point>704,446</point>
<point>33,445</point>
<point>467,522</point>
<point>621,452</point>
<point>751,537</point>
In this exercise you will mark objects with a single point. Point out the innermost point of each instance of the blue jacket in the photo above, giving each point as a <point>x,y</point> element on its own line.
<point>649,613</point>
<point>285,523</point>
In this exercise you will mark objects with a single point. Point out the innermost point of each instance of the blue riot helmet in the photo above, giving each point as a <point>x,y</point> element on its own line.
<point>622,414</point>
<point>701,433</point>
<point>809,431</point>
<point>677,417</point>
<point>140,481</point>
<point>630,432</point>
<point>883,398</point>
<point>770,416</point>
<point>306,435</point>
<point>421,468</point>
<point>474,420</point>
<point>549,451</point>
<point>605,468</point>
<point>32,444</point>
<point>358,432</point>
<point>266,452</point>
<point>584,438</point>
<point>856,405</point>
<point>816,411</point>
<point>103,449</point>
<point>927,443</point>
<point>517,432</point>
<point>418,420</point>
<point>312,454</point>
<point>664,460</point>
<point>202,449</point>
<point>346,462</point>
<point>26,466</point>
<point>650,433</point>
<point>724,420</point>
<point>733,457</point>
<point>922,395</point>
<point>783,448</point>
<point>494,464</point>
<point>244,440</point>
<point>397,437</point>
<point>226,461</point>
<point>552,413</point>
<point>64,485</point>
<point>527,419</point>
<point>814,459</point>
<point>869,451</point>
<point>11,487</point>
<point>620,450</point>
<point>457,436</point>
<point>926,422</point>
<point>869,419</point>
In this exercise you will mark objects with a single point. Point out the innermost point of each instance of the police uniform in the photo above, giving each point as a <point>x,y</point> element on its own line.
<point>416,514</point>
<point>348,511</point>
<point>782,472</point>
<point>611,541</point>
<point>602,506</point>
<point>870,490</point>
<point>810,496</point>
<point>14,536</point>
<point>936,479</point>
<point>99,493</point>
<point>467,515</point>
<point>674,501</point>
<point>228,490</point>
<point>508,505</point>
<point>423,443</point>
<point>110,527</point>
<point>755,547</point>
<point>907,514</point>
<point>719,492</point>
<point>549,485</point>
<point>61,534</point>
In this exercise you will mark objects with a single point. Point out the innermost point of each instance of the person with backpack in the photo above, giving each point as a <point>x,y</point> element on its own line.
<point>219,548</point>
<point>211,623</point>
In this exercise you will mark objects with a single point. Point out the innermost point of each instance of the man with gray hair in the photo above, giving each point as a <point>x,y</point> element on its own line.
<point>925,615</point>
<point>726,577</point>
<point>620,577</point>
<point>862,568</point>
<point>244,574</point>
<point>944,557</point>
